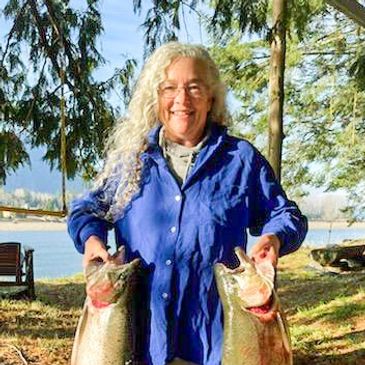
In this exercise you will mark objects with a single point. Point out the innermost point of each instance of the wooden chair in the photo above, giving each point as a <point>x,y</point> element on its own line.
<point>20,268</point>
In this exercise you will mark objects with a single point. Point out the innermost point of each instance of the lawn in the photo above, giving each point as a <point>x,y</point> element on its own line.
<point>326,313</point>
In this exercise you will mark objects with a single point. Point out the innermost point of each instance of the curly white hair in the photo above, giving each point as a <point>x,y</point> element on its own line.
<point>128,139</point>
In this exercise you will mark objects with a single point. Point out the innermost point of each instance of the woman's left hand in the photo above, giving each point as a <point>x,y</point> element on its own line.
<point>266,248</point>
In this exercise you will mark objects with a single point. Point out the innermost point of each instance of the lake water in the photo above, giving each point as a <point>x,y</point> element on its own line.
<point>55,255</point>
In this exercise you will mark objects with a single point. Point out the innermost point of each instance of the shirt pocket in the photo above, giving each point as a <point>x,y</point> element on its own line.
<point>226,204</point>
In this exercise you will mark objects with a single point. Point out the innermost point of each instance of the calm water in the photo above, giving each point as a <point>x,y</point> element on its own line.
<point>55,255</point>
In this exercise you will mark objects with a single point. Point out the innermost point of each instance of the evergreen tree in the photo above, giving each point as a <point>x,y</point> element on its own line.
<point>325,104</point>
<point>272,20</point>
<point>48,58</point>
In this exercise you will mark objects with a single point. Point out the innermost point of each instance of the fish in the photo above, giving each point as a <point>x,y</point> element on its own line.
<point>248,299</point>
<point>105,332</point>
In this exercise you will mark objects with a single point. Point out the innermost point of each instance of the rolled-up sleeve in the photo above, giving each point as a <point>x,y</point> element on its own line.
<point>272,211</point>
<point>86,218</point>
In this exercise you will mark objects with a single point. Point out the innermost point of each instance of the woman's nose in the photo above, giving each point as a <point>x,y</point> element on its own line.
<point>183,96</point>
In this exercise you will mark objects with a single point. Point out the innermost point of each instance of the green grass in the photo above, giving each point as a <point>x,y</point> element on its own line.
<point>43,329</point>
<point>326,314</point>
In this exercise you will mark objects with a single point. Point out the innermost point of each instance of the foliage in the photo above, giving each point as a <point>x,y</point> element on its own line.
<point>161,22</point>
<point>226,18</point>
<point>12,153</point>
<point>324,86</point>
<point>50,56</point>
<point>325,78</point>
<point>324,115</point>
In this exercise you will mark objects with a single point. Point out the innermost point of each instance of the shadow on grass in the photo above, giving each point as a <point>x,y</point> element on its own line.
<point>356,357</point>
<point>64,296</point>
<point>38,328</point>
<point>310,353</point>
<point>339,313</point>
<point>53,315</point>
<point>314,289</point>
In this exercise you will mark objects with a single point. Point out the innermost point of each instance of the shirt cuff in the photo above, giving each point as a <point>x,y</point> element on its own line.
<point>92,229</point>
<point>291,237</point>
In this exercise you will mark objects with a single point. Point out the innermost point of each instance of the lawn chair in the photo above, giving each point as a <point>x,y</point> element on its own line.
<point>16,267</point>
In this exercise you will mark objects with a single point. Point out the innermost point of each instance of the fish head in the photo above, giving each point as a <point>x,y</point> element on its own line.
<point>107,282</point>
<point>251,284</point>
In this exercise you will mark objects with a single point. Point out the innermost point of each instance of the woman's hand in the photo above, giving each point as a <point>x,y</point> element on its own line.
<point>95,250</point>
<point>266,248</point>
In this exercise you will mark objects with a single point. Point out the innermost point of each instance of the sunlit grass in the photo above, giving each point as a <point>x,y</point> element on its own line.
<point>43,329</point>
<point>326,313</point>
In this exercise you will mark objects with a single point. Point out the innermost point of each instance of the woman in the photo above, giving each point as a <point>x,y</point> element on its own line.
<point>181,193</point>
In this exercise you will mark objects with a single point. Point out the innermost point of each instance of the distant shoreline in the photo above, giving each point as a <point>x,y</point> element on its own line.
<point>335,225</point>
<point>38,225</point>
<point>31,225</point>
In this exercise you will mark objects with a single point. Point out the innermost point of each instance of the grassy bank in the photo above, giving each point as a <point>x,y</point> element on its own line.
<point>326,313</point>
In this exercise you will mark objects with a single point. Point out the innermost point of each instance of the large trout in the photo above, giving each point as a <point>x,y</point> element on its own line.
<point>105,332</point>
<point>245,292</point>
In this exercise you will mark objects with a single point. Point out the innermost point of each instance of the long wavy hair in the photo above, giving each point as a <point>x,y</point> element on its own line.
<point>121,174</point>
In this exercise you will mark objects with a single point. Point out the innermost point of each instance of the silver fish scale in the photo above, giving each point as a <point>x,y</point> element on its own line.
<point>105,336</point>
<point>248,340</point>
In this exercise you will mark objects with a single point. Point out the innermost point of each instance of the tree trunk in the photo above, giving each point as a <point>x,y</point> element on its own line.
<point>276,85</point>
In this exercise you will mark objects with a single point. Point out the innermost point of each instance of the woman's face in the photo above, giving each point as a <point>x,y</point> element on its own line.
<point>184,101</point>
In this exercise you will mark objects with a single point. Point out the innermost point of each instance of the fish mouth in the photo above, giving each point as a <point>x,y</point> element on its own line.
<point>267,312</point>
<point>262,309</point>
<point>99,304</point>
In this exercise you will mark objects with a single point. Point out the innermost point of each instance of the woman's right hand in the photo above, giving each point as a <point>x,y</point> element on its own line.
<point>95,250</point>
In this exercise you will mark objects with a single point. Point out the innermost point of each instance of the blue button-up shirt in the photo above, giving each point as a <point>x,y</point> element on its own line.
<point>180,232</point>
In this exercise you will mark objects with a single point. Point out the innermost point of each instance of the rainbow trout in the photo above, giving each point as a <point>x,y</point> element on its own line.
<point>245,292</point>
<point>105,332</point>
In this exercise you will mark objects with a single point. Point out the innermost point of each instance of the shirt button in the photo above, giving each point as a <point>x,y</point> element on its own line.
<point>168,262</point>
<point>173,229</point>
<point>177,198</point>
<point>165,295</point>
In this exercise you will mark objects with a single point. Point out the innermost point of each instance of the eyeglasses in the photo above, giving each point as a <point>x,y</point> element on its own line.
<point>171,91</point>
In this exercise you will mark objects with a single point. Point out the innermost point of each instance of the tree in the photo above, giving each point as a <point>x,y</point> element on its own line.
<point>251,16</point>
<point>48,60</point>
<point>325,104</point>
<point>276,85</point>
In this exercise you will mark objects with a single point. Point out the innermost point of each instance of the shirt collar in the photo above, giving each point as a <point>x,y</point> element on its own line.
<point>217,135</point>
<point>215,129</point>
<point>173,148</point>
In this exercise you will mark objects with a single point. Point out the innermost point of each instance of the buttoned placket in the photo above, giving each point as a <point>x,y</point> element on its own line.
<point>173,233</point>
<point>173,236</point>
<point>177,200</point>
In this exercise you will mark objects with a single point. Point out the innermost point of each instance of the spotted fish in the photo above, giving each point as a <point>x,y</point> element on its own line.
<point>245,293</point>
<point>105,332</point>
